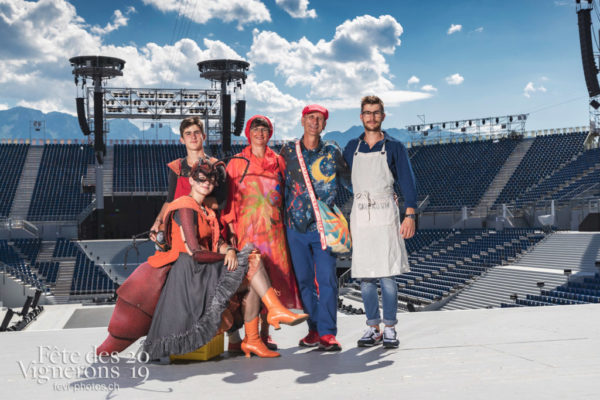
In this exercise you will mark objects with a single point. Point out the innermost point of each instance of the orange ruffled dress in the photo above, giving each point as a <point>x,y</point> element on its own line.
<point>254,207</point>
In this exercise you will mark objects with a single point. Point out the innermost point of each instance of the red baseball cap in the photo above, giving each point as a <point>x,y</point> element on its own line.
<point>315,108</point>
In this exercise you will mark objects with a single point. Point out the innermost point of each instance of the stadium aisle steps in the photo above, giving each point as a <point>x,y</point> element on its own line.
<point>64,280</point>
<point>502,177</point>
<point>496,287</point>
<point>27,181</point>
<point>583,250</point>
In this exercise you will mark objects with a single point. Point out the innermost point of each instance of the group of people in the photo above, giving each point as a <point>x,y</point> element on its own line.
<point>244,234</point>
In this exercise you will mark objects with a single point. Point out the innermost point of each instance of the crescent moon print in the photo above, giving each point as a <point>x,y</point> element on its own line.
<point>315,170</point>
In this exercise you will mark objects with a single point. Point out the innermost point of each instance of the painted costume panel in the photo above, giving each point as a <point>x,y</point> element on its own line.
<point>254,207</point>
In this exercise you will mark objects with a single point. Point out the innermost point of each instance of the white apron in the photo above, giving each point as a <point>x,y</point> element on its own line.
<point>377,248</point>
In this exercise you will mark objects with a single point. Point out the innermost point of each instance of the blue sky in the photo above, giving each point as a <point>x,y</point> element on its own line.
<point>467,59</point>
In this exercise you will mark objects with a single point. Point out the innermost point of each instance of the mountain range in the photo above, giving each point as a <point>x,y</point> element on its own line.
<point>27,123</point>
<point>24,123</point>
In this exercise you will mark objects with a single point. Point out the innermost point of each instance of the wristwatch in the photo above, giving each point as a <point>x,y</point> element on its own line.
<point>412,216</point>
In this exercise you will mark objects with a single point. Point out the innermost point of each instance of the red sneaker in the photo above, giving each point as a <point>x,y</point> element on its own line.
<point>328,343</point>
<point>268,341</point>
<point>310,340</point>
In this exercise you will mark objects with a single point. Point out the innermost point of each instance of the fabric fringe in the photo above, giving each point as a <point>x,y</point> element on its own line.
<point>205,328</point>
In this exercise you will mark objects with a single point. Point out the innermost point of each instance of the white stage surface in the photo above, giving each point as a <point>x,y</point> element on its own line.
<point>515,353</point>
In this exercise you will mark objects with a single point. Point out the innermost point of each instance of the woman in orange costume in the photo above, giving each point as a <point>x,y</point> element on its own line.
<point>208,280</point>
<point>254,211</point>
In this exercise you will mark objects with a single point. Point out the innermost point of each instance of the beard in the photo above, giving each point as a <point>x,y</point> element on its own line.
<point>372,126</point>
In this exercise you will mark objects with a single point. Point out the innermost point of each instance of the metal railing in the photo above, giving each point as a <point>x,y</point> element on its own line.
<point>10,224</point>
<point>86,211</point>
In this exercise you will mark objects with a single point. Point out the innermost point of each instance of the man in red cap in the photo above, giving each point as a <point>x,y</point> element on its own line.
<point>326,169</point>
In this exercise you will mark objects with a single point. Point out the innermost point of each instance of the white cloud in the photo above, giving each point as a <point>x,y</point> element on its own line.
<point>283,109</point>
<point>454,28</point>
<point>479,30</point>
<point>119,20</point>
<point>243,12</point>
<point>3,107</point>
<point>152,65</point>
<point>455,79</point>
<point>413,80</point>
<point>297,8</point>
<point>429,88</point>
<point>40,38</point>
<point>544,78</point>
<point>530,88</point>
<point>339,71</point>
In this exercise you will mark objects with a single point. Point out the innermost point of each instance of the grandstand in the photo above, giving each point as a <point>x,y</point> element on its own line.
<point>484,199</point>
<point>12,159</point>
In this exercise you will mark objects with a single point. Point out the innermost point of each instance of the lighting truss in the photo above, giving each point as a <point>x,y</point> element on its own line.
<point>476,126</point>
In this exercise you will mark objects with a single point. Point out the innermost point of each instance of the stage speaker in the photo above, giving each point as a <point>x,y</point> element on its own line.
<point>226,113</point>
<point>99,124</point>
<point>590,70</point>
<point>240,114</point>
<point>83,124</point>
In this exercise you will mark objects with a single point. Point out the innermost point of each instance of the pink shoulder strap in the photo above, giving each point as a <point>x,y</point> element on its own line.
<point>311,194</point>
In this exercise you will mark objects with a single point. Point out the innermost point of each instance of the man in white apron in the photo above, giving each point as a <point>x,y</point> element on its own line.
<point>378,252</point>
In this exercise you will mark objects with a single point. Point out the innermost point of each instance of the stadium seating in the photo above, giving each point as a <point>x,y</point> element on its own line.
<point>89,278</point>
<point>457,174</point>
<point>17,266</point>
<point>584,291</point>
<point>64,248</point>
<point>29,247</point>
<point>547,188</point>
<point>143,168</point>
<point>12,159</point>
<point>443,261</point>
<point>57,194</point>
<point>546,154</point>
<point>47,271</point>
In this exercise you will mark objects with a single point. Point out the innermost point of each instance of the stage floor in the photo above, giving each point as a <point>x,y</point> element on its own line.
<point>515,353</point>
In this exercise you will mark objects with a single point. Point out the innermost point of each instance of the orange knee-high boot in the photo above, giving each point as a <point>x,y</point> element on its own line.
<point>252,343</point>
<point>277,313</point>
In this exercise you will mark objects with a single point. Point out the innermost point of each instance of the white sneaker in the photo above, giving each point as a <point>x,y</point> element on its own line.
<point>389,338</point>
<point>371,337</point>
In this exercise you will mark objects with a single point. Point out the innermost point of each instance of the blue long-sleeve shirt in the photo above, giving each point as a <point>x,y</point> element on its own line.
<point>398,162</point>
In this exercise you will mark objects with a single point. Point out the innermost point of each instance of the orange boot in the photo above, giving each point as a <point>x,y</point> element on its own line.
<point>252,343</point>
<point>277,313</point>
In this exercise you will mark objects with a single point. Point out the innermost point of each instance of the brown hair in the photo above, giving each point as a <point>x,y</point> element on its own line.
<point>371,100</point>
<point>189,121</point>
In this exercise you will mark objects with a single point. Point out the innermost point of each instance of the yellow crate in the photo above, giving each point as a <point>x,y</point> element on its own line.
<point>210,350</point>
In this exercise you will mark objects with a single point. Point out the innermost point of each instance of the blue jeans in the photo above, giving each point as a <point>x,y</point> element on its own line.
<point>310,261</point>
<point>389,298</point>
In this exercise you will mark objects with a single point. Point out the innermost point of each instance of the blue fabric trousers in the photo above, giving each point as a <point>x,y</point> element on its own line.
<point>389,298</point>
<point>309,260</point>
